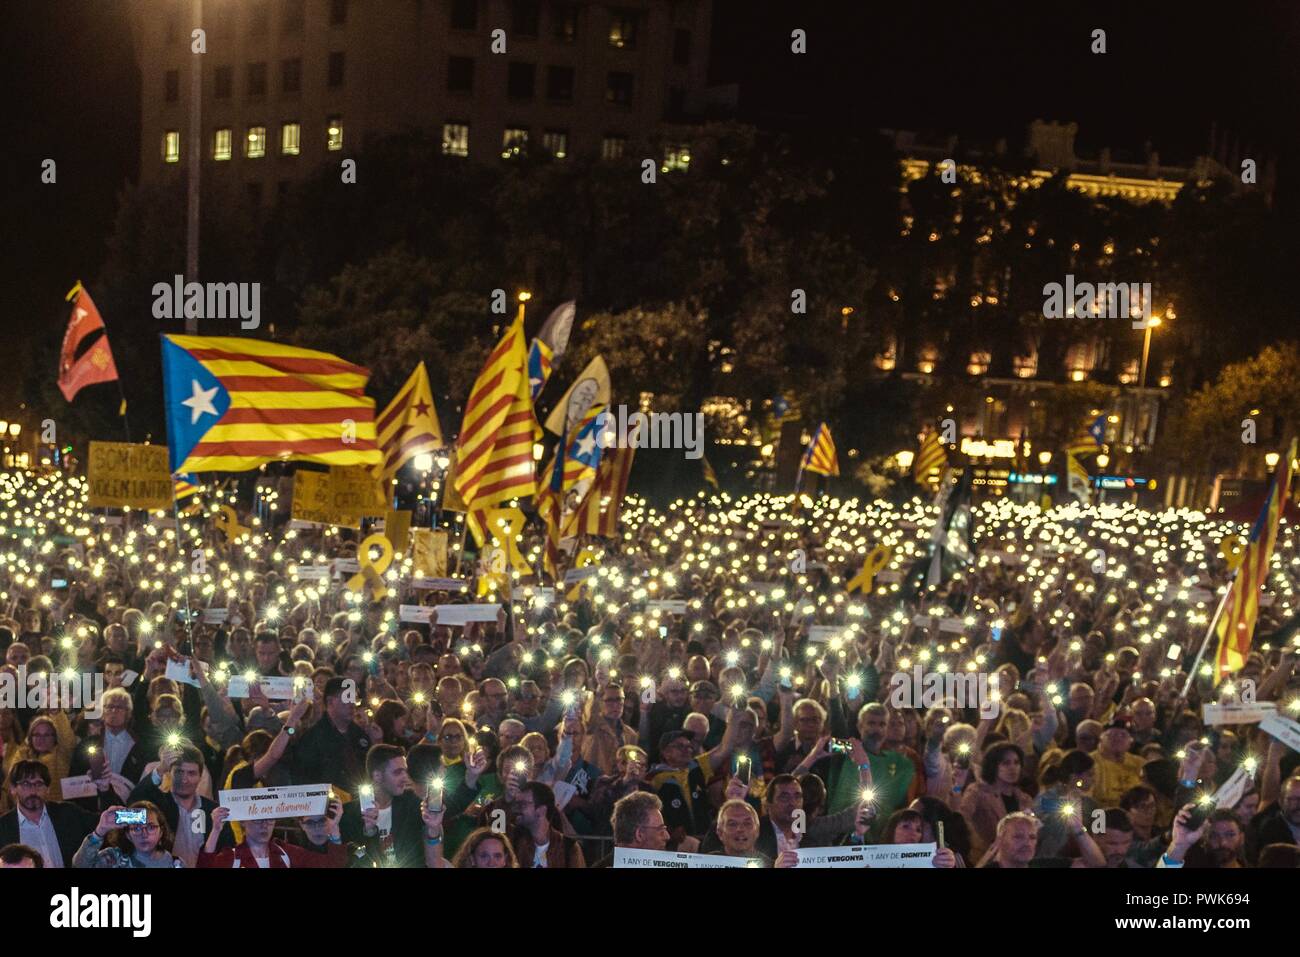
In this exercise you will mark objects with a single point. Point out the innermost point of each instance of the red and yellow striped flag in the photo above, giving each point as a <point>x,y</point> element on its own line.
<point>495,448</point>
<point>1241,606</point>
<point>820,459</point>
<point>930,456</point>
<point>598,512</point>
<point>409,425</point>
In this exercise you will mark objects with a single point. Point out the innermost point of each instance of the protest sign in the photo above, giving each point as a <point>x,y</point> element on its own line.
<point>260,804</point>
<point>127,475</point>
<point>630,857</point>
<point>869,855</point>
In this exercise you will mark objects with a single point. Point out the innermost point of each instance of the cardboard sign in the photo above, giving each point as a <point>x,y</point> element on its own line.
<point>579,574</point>
<point>628,857</point>
<point>420,614</point>
<point>669,606</point>
<point>78,787</point>
<point>1237,713</point>
<point>430,555</point>
<point>129,475</point>
<point>869,855</point>
<point>275,687</point>
<point>261,804</point>
<point>1284,729</point>
<point>342,496</point>
<point>438,584</point>
<point>463,614</point>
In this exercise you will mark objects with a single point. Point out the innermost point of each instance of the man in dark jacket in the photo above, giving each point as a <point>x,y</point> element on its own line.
<point>188,813</point>
<point>333,750</point>
<point>53,828</point>
<point>1278,823</point>
<point>386,821</point>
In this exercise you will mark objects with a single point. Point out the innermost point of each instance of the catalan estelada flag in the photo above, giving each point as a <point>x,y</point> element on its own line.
<point>820,458</point>
<point>184,488</point>
<point>233,404</point>
<point>409,425</point>
<point>1236,624</point>
<point>570,474</point>
<point>495,448</point>
<point>1090,438</point>
<point>930,456</point>
<point>597,514</point>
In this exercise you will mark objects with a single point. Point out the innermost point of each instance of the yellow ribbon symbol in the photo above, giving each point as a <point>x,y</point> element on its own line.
<point>492,575</point>
<point>229,523</point>
<point>1231,551</point>
<point>877,560</point>
<point>371,574</point>
<point>511,535</point>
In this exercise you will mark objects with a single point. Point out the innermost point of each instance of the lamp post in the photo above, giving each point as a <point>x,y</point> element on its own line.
<point>196,161</point>
<point>1146,349</point>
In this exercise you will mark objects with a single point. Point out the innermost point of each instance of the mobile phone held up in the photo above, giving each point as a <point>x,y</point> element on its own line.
<point>840,746</point>
<point>130,816</point>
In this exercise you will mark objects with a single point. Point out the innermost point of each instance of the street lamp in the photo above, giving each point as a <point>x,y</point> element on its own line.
<point>1271,459</point>
<point>1103,460</point>
<point>14,429</point>
<point>1044,458</point>
<point>1146,349</point>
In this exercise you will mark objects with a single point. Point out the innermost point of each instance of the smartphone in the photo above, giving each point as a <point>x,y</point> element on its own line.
<point>743,767</point>
<point>996,633</point>
<point>131,816</point>
<point>433,796</point>
<point>367,798</point>
<point>663,631</point>
<point>1174,653</point>
<point>58,578</point>
<point>184,616</point>
<point>787,680</point>
<point>98,765</point>
<point>1200,814</point>
<point>840,746</point>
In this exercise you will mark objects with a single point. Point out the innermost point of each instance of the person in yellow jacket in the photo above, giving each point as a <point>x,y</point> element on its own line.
<point>49,740</point>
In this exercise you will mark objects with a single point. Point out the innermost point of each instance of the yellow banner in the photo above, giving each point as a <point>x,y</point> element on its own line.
<point>342,496</point>
<point>430,552</point>
<point>397,529</point>
<point>128,475</point>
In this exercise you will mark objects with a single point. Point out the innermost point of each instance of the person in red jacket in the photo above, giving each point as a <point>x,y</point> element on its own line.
<point>260,849</point>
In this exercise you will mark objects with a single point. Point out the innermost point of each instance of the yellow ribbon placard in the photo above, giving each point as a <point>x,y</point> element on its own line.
<point>371,574</point>
<point>397,529</point>
<point>492,576</point>
<point>229,523</point>
<point>1232,552</point>
<point>876,561</point>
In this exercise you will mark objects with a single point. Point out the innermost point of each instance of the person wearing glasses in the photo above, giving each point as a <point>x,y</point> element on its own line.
<point>608,733</point>
<point>116,752</point>
<point>51,741</point>
<point>54,828</point>
<point>132,845</point>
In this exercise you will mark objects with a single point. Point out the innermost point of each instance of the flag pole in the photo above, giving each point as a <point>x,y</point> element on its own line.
<point>1218,612</point>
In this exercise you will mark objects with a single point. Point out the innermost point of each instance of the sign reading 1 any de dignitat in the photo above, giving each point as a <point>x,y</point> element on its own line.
<point>129,475</point>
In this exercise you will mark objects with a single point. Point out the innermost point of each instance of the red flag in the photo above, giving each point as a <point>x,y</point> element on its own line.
<point>96,363</point>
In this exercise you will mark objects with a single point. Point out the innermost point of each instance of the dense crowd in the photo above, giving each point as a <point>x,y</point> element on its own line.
<point>712,688</point>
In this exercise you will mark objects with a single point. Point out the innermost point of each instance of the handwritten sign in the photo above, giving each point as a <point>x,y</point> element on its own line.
<point>341,496</point>
<point>263,804</point>
<point>128,475</point>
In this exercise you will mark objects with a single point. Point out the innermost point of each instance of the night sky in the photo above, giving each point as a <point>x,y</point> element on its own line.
<point>979,70</point>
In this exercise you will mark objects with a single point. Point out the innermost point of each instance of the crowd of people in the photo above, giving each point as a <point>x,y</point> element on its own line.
<point>712,688</point>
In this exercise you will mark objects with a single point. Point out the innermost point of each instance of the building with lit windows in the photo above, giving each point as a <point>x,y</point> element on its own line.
<point>290,84</point>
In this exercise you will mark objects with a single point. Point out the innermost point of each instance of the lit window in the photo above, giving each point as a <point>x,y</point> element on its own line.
<point>290,136</point>
<point>556,142</point>
<point>514,142</point>
<point>255,147</point>
<point>677,158</point>
<point>612,147</point>
<point>622,28</point>
<point>334,134</point>
<point>455,139</point>
<point>221,144</point>
<point>171,147</point>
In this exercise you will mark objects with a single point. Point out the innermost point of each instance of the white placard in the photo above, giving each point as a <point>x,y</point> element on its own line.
<point>579,574</point>
<point>179,671</point>
<point>1236,713</point>
<point>1230,793</point>
<point>1284,729</point>
<point>438,584</point>
<point>820,633</point>
<point>261,804</point>
<point>952,625</point>
<point>564,792</point>
<point>463,614</point>
<point>344,566</point>
<point>544,595</point>
<point>672,606</point>
<point>78,787</point>
<point>311,573</point>
<point>275,687</point>
<point>421,614</point>
<point>869,855</point>
<point>298,525</point>
<point>631,857</point>
<point>215,616</point>
<point>128,677</point>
